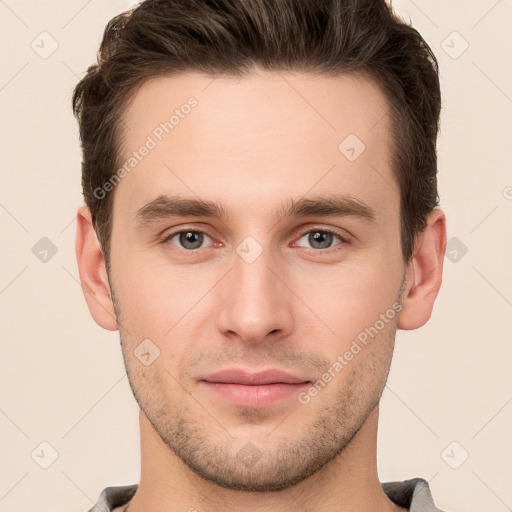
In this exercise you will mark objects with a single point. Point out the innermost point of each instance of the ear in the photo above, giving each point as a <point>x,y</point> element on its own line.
<point>93,272</point>
<point>424,273</point>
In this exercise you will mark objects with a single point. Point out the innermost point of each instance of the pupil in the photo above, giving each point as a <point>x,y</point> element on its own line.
<point>191,239</point>
<point>323,239</point>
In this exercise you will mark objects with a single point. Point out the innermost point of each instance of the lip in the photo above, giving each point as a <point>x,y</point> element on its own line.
<point>237,376</point>
<point>253,390</point>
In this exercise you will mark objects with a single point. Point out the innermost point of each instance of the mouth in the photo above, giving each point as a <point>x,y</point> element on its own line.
<point>254,390</point>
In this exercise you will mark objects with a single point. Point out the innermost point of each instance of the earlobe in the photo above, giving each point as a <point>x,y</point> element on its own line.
<point>424,273</point>
<point>92,270</point>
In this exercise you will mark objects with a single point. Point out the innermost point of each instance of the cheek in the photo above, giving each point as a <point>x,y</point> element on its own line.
<point>348,297</point>
<point>158,300</point>
<point>170,305</point>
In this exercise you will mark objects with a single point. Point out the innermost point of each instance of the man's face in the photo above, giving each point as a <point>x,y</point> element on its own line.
<point>255,290</point>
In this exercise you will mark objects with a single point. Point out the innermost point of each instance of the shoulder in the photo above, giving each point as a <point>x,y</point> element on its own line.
<point>112,499</point>
<point>413,493</point>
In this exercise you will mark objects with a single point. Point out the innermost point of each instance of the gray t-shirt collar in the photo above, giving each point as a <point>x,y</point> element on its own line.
<point>413,494</point>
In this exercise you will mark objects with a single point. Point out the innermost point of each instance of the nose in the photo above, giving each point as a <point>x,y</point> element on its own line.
<point>255,303</point>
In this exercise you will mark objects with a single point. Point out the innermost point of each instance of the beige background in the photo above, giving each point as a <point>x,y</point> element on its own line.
<point>62,379</point>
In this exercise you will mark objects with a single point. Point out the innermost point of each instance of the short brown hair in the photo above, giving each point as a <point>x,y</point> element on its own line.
<point>328,37</point>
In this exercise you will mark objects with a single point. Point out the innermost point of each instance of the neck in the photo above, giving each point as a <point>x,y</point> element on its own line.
<point>348,483</point>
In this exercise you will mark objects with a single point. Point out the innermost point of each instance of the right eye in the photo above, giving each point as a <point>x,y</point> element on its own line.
<point>188,239</point>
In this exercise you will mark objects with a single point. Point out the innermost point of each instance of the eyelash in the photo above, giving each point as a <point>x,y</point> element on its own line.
<point>343,240</point>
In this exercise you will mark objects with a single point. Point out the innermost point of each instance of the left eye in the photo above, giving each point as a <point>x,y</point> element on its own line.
<point>321,239</point>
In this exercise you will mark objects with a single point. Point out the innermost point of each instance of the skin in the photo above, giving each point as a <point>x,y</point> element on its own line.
<point>253,144</point>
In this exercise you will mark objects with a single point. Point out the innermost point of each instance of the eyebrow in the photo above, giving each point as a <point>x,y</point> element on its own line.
<point>165,206</point>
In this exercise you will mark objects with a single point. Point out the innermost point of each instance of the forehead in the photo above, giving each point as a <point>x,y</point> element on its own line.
<point>258,136</point>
